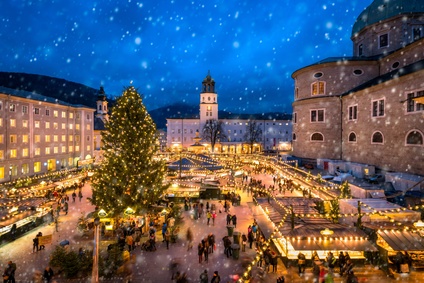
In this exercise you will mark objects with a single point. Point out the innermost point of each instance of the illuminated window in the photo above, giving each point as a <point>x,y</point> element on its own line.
<point>47,125</point>
<point>12,107</point>
<point>37,138</point>
<point>71,126</point>
<point>25,152</point>
<point>88,127</point>
<point>63,114</point>
<point>71,148</point>
<point>47,138</point>
<point>1,172</point>
<point>55,149</point>
<point>37,151</point>
<point>318,88</point>
<point>411,105</point>
<point>37,124</point>
<point>55,126</point>
<point>1,122</point>
<point>13,138</point>
<point>13,122</point>
<point>77,148</point>
<point>88,147</point>
<point>13,153</point>
<point>70,161</point>
<point>64,138</point>
<point>71,115</point>
<point>63,126</point>
<point>71,138</point>
<point>63,149</point>
<point>25,168</point>
<point>47,150</point>
<point>1,138</point>
<point>55,138</point>
<point>37,167</point>
<point>25,138</point>
<point>25,123</point>
<point>1,154</point>
<point>55,113</point>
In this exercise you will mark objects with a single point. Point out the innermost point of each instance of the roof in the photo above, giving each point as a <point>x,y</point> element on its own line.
<point>37,97</point>
<point>380,10</point>
<point>402,240</point>
<point>99,125</point>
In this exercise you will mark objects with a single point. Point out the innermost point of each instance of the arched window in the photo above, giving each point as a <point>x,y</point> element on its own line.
<point>317,137</point>
<point>377,137</point>
<point>294,137</point>
<point>352,137</point>
<point>414,137</point>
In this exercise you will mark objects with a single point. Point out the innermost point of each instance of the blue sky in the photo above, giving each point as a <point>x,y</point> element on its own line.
<point>165,48</point>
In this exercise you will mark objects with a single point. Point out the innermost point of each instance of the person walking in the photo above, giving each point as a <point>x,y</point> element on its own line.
<point>228,219</point>
<point>211,241</point>
<point>213,217</point>
<point>301,263</point>
<point>204,277</point>
<point>48,274</point>
<point>200,251</point>
<point>208,216</point>
<point>80,195</point>
<point>35,244</point>
<point>167,238</point>
<point>164,229</point>
<point>234,220</point>
<point>74,196</point>
<point>243,242</point>
<point>250,237</point>
<point>65,208</point>
<point>216,278</point>
<point>189,238</point>
<point>9,272</point>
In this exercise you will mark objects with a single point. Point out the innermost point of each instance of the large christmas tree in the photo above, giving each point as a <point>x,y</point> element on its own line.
<point>129,176</point>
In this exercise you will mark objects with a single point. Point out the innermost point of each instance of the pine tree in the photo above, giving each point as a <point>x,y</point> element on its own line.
<point>129,175</point>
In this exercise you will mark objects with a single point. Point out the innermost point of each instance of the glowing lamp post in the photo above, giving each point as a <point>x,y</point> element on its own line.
<point>95,274</point>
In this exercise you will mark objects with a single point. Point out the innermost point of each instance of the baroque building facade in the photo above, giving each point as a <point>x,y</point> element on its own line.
<point>39,134</point>
<point>367,108</point>
<point>182,132</point>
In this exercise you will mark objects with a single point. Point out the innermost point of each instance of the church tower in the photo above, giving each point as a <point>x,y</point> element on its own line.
<point>208,100</point>
<point>102,105</point>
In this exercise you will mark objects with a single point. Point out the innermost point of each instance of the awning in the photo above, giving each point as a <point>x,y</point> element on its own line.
<point>333,245</point>
<point>402,240</point>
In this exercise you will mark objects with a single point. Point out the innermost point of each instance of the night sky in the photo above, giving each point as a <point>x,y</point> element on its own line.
<point>165,48</point>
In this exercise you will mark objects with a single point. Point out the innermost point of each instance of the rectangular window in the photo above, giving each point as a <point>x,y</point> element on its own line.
<point>63,114</point>
<point>318,88</point>
<point>88,148</point>
<point>77,148</point>
<point>71,127</point>
<point>55,149</point>
<point>13,138</point>
<point>55,138</point>
<point>317,115</point>
<point>25,152</point>
<point>25,109</point>
<point>12,107</point>
<point>37,151</point>
<point>36,110</point>
<point>1,122</point>
<point>13,123</point>
<point>71,138</point>
<point>378,108</point>
<point>55,126</point>
<point>411,105</point>
<point>47,150</point>
<point>13,153</point>
<point>37,124</point>
<point>294,118</point>
<point>47,138</point>
<point>25,168</point>
<point>77,115</point>
<point>88,127</point>
<point>1,105</point>
<point>25,138</point>
<point>71,148</point>
<point>353,112</point>
<point>1,138</point>
<point>360,49</point>
<point>63,138</point>
<point>24,123</point>
<point>70,161</point>
<point>383,40</point>
<point>37,167</point>
<point>47,125</point>
<point>55,113</point>
<point>63,149</point>
<point>37,138</point>
<point>63,126</point>
<point>47,112</point>
<point>71,115</point>
<point>1,154</point>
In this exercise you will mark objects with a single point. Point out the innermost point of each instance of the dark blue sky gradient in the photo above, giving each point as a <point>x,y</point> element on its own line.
<point>165,48</point>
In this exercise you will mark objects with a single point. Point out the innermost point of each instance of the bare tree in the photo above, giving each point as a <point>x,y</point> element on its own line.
<point>253,134</point>
<point>213,132</point>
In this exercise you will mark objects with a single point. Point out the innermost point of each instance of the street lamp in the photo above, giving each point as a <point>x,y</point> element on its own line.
<point>95,274</point>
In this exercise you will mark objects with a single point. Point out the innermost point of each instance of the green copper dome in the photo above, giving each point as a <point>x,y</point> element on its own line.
<point>380,10</point>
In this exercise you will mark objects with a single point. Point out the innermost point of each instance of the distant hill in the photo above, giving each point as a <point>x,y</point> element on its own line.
<point>76,93</point>
<point>61,89</point>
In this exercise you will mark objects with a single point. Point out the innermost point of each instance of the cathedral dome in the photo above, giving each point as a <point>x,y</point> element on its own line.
<point>380,10</point>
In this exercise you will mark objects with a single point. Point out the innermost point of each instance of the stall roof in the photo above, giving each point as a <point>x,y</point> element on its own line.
<point>333,245</point>
<point>400,240</point>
